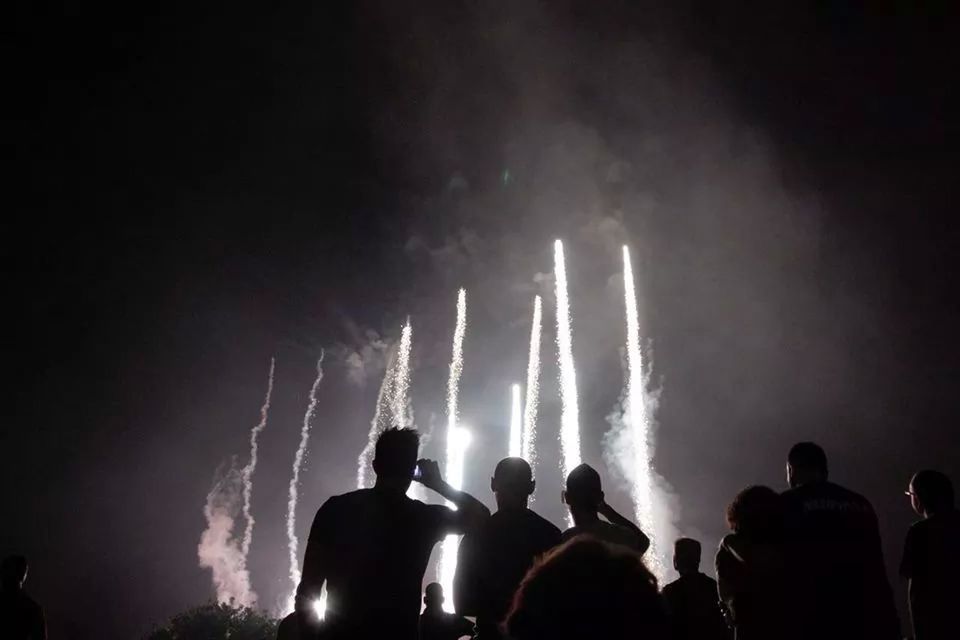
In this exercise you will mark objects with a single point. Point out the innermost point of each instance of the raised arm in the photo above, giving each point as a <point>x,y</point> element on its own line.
<point>470,512</point>
<point>611,514</point>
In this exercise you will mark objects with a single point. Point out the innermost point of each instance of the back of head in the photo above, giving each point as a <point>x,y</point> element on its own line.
<point>13,572</point>
<point>933,490</point>
<point>587,589</point>
<point>686,555</point>
<point>806,462</point>
<point>433,595</point>
<point>757,512</point>
<point>396,453</point>
<point>584,488</point>
<point>512,481</point>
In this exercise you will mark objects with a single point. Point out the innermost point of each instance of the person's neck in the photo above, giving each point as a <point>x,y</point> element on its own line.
<point>390,486</point>
<point>688,572</point>
<point>511,506</point>
<point>584,517</point>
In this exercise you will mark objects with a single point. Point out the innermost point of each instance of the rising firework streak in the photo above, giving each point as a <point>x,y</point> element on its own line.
<point>528,452</point>
<point>292,543</point>
<point>364,462</point>
<point>252,465</point>
<point>455,442</point>
<point>638,416</point>
<point>516,423</point>
<point>569,420</point>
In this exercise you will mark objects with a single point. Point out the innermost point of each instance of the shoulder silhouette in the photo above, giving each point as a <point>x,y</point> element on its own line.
<point>20,617</point>
<point>692,601</point>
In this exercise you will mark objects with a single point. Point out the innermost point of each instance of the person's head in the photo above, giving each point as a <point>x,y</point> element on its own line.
<point>395,458</point>
<point>13,572</point>
<point>756,512</point>
<point>433,596</point>
<point>586,589</point>
<point>584,491</point>
<point>806,463</point>
<point>512,483</point>
<point>686,556</point>
<point>930,492</point>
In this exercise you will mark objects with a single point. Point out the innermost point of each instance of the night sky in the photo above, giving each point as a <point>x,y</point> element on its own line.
<point>198,188</point>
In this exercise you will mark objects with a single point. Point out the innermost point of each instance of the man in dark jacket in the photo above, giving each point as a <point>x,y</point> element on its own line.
<point>835,555</point>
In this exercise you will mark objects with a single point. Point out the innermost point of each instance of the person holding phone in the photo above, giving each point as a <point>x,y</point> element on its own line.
<point>371,546</point>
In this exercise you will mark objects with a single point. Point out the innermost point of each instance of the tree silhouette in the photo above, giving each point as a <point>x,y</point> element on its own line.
<point>214,621</point>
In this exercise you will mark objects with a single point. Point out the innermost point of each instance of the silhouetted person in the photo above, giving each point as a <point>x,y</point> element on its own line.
<point>931,558</point>
<point>371,546</point>
<point>437,624</point>
<point>584,496</point>
<point>20,617</point>
<point>841,583</point>
<point>493,559</point>
<point>752,570</point>
<point>584,589</point>
<point>691,600</point>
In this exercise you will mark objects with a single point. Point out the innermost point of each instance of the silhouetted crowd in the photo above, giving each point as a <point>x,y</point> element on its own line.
<point>805,564</point>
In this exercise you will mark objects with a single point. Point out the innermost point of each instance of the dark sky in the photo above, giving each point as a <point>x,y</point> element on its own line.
<point>197,188</point>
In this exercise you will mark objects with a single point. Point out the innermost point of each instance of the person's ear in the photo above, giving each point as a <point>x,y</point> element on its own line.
<point>493,485</point>
<point>376,466</point>
<point>533,486</point>
<point>601,497</point>
<point>563,497</point>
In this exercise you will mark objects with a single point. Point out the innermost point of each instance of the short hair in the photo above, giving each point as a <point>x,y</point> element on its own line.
<point>808,455</point>
<point>687,551</point>
<point>396,452</point>
<point>513,471</point>
<point>757,512</point>
<point>434,591</point>
<point>586,588</point>
<point>14,569</point>
<point>583,485</point>
<point>933,489</point>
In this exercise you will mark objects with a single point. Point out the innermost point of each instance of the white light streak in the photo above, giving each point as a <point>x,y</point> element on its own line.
<point>252,465</point>
<point>528,451</point>
<point>569,420</point>
<point>516,423</point>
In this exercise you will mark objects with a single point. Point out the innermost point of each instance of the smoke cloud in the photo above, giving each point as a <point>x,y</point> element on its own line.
<point>218,550</point>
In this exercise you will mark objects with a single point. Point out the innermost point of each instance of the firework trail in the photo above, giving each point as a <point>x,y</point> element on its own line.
<point>401,413</point>
<point>448,552</point>
<point>459,441</point>
<point>533,388</point>
<point>364,462</point>
<point>516,423</point>
<point>637,415</point>
<point>569,421</point>
<point>297,463</point>
<point>252,465</point>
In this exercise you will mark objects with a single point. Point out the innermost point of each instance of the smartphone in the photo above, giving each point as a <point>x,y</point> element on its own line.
<point>416,472</point>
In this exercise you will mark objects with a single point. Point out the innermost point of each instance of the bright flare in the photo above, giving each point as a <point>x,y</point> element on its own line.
<point>458,441</point>
<point>528,452</point>
<point>455,445</point>
<point>252,465</point>
<point>297,464</point>
<point>638,419</point>
<point>569,419</point>
<point>516,423</point>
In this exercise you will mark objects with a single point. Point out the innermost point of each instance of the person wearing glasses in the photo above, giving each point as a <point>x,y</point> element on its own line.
<point>931,558</point>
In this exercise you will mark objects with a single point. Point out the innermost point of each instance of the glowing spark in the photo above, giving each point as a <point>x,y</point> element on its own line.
<point>252,465</point>
<point>454,462</point>
<point>458,440</point>
<point>637,415</point>
<point>320,604</point>
<point>364,462</point>
<point>528,452</point>
<point>297,463</point>
<point>569,420</point>
<point>516,422</point>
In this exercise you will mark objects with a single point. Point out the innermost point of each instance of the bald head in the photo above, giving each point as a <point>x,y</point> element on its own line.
<point>512,483</point>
